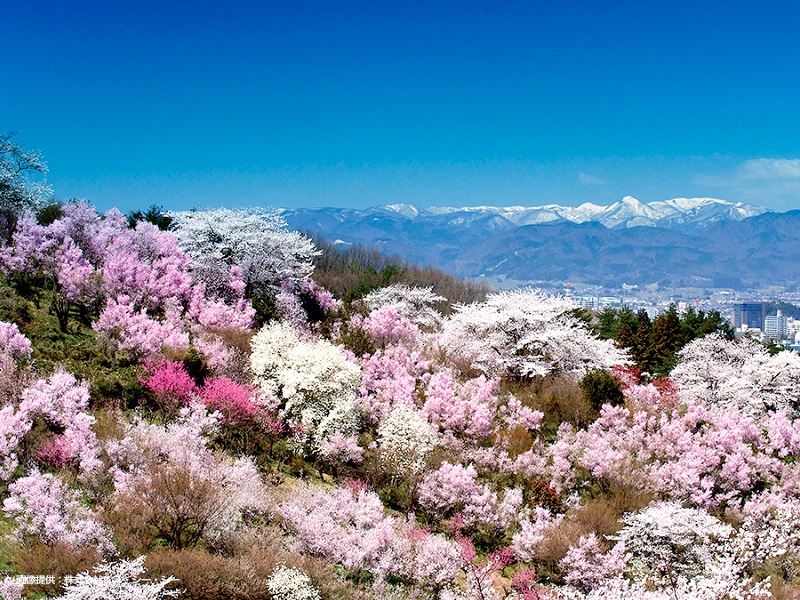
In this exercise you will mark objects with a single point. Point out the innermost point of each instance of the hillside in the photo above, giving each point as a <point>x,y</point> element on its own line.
<point>188,406</point>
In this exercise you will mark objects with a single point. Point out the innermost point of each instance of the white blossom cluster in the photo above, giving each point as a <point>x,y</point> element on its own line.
<point>414,303</point>
<point>314,380</point>
<point>256,241</point>
<point>287,583</point>
<point>118,581</point>
<point>526,333</point>
<point>405,440</point>
<point>739,374</point>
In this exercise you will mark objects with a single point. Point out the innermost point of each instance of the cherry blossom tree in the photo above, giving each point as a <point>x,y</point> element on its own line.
<point>738,374</point>
<point>525,334</point>
<point>405,440</point>
<point>666,551</point>
<point>20,188</point>
<point>166,477</point>
<point>255,241</point>
<point>414,303</point>
<point>44,506</point>
<point>314,380</point>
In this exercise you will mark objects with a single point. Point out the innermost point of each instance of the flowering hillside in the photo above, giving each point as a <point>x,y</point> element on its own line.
<point>185,413</point>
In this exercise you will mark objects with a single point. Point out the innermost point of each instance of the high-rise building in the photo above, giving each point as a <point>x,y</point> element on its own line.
<point>775,327</point>
<point>749,313</point>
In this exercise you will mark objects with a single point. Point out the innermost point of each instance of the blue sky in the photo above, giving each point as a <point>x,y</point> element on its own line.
<point>301,103</point>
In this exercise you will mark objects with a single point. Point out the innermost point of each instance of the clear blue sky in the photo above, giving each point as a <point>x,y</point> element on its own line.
<point>360,103</point>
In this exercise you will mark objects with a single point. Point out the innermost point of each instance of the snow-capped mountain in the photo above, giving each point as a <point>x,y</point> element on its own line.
<point>628,212</point>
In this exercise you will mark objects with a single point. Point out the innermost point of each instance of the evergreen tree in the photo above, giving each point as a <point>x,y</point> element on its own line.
<point>625,337</point>
<point>643,352</point>
<point>667,338</point>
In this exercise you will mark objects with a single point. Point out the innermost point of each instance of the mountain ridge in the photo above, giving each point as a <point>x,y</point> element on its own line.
<point>682,242</point>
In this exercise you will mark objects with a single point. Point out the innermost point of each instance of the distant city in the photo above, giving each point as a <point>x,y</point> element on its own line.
<point>754,313</point>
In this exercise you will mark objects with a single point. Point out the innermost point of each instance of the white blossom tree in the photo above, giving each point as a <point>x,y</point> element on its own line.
<point>287,583</point>
<point>739,374</point>
<point>255,241</point>
<point>667,552</point>
<point>525,334</point>
<point>118,581</point>
<point>405,440</point>
<point>414,303</point>
<point>314,380</point>
<point>20,190</point>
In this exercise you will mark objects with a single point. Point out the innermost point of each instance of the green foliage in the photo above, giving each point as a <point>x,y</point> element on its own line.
<point>611,320</point>
<point>696,324</point>
<point>601,387</point>
<point>155,215</point>
<point>47,214</point>
<point>654,345</point>
<point>13,307</point>
<point>76,350</point>
<point>8,547</point>
<point>356,340</point>
<point>266,309</point>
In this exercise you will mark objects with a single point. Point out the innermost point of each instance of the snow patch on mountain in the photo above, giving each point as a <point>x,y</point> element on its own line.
<point>628,212</point>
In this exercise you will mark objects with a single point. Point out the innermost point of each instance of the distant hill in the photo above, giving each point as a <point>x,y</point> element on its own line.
<point>678,242</point>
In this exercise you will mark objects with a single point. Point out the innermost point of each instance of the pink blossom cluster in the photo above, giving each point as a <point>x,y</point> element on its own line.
<point>239,404</point>
<point>700,455</point>
<point>389,376</point>
<point>386,327</point>
<point>62,404</point>
<point>350,527</point>
<point>140,277</point>
<point>46,507</point>
<point>14,347</point>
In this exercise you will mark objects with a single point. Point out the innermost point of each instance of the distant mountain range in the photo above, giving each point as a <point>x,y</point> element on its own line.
<point>683,242</point>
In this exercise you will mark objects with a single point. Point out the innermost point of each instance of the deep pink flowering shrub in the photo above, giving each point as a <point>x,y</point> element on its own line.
<point>526,585</point>
<point>171,385</point>
<point>56,452</point>
<point>235,401</point>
